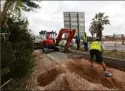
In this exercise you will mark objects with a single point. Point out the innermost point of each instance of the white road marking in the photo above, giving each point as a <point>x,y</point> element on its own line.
<point>53,57</point>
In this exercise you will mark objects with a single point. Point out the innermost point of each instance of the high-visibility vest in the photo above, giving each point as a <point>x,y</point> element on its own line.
<point>85,39</point>
<point>96,45</point>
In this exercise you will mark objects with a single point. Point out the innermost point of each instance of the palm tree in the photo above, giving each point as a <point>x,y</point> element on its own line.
<point>97,24</point>
<point>14,7</point>
<point>42,33</point>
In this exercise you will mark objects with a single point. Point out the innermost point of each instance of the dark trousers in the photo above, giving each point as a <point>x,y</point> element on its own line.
<point>78,46</point>
<point>97,54</point>
<point>86,46</point>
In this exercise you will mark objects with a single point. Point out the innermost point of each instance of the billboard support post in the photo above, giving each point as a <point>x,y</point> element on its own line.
<point>78,23</point>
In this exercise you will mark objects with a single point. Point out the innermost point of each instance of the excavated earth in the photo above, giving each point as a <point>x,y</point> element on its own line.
<point>70,72</point>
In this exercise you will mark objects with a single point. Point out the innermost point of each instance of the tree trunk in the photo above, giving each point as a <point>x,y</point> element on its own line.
<point>99,33</point>
<point>4,15</point>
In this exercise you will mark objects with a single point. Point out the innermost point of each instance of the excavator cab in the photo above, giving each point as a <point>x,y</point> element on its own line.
<point>68,40</point>
<point>48,44</point>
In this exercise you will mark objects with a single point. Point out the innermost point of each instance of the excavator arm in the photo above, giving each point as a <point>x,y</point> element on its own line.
<point>69,39</point>
<point>71,35</point>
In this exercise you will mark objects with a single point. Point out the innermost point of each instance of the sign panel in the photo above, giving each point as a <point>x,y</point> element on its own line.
<point>75,20</point>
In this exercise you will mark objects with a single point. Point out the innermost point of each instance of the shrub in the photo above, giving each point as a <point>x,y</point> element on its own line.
<point>16,52</point>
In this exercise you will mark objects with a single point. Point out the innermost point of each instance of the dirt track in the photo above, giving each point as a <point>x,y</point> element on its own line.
<point>72,74</point>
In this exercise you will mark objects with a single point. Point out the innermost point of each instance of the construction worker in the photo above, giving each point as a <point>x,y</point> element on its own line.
<point>96,49</point>
<point>85,42</point>
<point>77,41</point>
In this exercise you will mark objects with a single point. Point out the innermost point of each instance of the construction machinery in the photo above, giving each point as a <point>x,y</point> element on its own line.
<point>49,43</point>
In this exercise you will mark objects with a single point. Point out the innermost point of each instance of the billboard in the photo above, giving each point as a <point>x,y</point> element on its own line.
<point>75,20</point>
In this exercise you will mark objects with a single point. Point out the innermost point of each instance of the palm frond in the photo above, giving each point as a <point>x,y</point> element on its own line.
<point>105,17</point>
<point>32,4</point>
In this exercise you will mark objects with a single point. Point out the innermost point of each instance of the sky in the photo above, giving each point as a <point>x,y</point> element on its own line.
<point>50,15</point>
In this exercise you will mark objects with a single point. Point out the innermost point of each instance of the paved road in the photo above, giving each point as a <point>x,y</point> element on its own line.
<point>112,46</point>
<point>58,56</point>
<point>109,46</point>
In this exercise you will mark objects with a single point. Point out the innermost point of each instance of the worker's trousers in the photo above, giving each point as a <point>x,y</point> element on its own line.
<point>78,46</point>
<point>86,46</point>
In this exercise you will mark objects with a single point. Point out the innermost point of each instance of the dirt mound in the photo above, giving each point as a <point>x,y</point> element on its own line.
<point>60,78</point>
<point>82,68</point>
<point>48,76</point>
<point>59,83</point>
<point>70,81</point>
<point>76,74</point>
<point>75,82</point>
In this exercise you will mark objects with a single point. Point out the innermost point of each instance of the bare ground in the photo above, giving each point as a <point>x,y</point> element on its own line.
<point>71,74</point>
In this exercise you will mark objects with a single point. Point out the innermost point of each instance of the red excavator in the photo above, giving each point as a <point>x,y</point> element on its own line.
<point>50,44</point>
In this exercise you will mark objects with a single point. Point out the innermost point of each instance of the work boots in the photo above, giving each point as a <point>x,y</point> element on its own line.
<point>108,74</point>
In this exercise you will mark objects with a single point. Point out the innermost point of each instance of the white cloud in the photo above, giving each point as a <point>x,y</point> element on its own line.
<point>50,16</point>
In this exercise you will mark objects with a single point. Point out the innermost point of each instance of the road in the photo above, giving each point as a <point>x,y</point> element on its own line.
<point>112,46</point>
<point>108,45</point>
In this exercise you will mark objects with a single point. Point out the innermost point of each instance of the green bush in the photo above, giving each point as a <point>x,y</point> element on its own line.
<point>7,58</point>
<point>16,52</point>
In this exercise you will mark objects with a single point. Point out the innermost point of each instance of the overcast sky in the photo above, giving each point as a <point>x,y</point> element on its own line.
<point>50,16</point>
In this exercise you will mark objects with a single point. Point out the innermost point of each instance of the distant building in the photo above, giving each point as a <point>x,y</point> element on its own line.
<point>75,20</point>
<point>114,37</point>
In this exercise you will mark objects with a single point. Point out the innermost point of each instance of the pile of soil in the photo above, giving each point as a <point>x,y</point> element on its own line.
<point>71,81</point>
<point>54,80</point>
<point>46,77</point>
<point>77,75</point>
<point>96,75</point>
<point>42,64</point>
<point>72,74</point>
<point>60,78</point>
